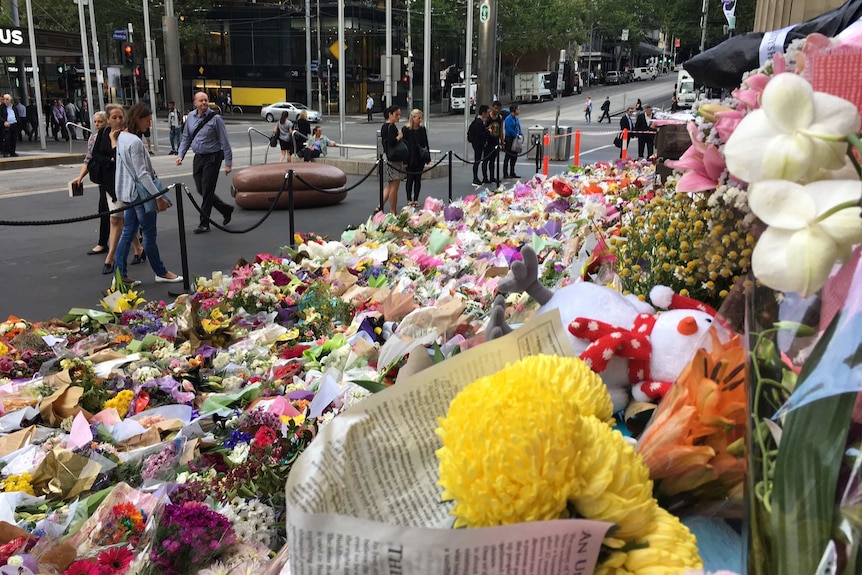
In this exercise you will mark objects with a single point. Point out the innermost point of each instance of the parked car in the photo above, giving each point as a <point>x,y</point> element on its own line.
<point>272,112</point>
<point>374,78</point>
<point>613,77</point>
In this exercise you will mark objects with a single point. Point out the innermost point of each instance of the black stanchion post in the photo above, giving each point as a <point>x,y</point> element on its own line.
<point>497,161</point>
<point>290,208</point>
<point>184,254</point>
<point>540,154</point>
<point>449,153</point>
<point>380,178</point>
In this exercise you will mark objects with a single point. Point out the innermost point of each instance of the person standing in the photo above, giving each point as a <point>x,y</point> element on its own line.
<point>10,119</point>
<point>175,125</point>
<point>416,137</point>
<point>100,120</point>
<point>284,131</point>
<point>301,131</point>
<point>477,135</point>
<point>84,115</point>
<point>390,135</point>
<point>606,110</point>
<point>206,135</point>
<point>33,120</point>
<point>512,130</point>
<point>134,166</point>
<point>674,104</point>
<point>588,110</point>
<point>495,142</point>
<point>645,132</point>
<point>626,123</point>
<point>22,120</point>
<point>58,120</point>
<point>369,106</point>
<point>72,117</point>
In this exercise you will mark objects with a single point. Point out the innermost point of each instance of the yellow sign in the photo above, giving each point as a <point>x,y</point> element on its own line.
<point>334,49</point>
<point>201,70</point>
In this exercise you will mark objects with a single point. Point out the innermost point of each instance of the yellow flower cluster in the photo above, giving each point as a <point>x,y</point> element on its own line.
<point>19,483</point>
<point>121,402</point>
<point>681,242</point>
<point>502,467</point>
<point>3,349</point>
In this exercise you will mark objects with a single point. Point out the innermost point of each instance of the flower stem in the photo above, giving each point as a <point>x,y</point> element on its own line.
<point>837,208</point>
<point>855,142</point>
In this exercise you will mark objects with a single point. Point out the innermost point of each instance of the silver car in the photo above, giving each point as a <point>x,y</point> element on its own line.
<point>272,112</point>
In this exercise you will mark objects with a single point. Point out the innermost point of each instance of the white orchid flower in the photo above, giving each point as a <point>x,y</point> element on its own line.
<point>810,227</point>
<point>796,132</point>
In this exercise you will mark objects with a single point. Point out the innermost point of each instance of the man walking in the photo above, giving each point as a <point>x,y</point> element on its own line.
<point>206,135</point>
<point>606,110</point>
<point>9,117</point>
<point>626,123</point>
<point>369,106</point>
<point>72,117</point>
<point>645,132</point>
<point>175,124</point>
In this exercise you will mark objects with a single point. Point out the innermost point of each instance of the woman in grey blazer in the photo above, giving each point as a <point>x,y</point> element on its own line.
<point>134,165</point>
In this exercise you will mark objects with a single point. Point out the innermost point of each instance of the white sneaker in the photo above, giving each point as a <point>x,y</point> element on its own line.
<point>164,280</point>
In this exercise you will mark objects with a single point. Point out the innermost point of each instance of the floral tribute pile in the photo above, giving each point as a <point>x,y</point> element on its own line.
<point>156,437</point>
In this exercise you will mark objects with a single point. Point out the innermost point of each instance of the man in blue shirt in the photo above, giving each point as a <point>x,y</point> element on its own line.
<point>9,117</point>
<point>204,132</point>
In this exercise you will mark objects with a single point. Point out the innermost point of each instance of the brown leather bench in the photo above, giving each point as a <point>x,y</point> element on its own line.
<point>256,187</point>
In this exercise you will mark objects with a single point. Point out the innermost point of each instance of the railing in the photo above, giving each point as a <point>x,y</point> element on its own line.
<point>251,146</point>
<point>83,129</point>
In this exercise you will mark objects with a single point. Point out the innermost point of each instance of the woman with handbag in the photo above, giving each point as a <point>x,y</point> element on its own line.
<point>395,153</point>
<point>100,165</point>
<point>136,179</point>
<point>512,144</point>
<point>284,133</point>
<point>416,137</point>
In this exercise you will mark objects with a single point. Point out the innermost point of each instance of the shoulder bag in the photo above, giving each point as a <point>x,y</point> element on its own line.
<point>399,152</point>
<point>273,140</point>
<point>150,205</point>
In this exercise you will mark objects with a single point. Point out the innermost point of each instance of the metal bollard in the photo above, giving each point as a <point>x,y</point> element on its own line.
<point>547,145</point>
<point>576,158</point>
<point>624,152</point>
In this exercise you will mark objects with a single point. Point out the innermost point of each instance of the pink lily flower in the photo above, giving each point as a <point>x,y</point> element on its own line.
<point>702,164</point>
<point>726,123</point>
<point>749,96</point>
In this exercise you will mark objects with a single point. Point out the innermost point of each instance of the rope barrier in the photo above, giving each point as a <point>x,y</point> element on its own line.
<point>409,173</point>
<point>82,218</point>
<point>243,231</point>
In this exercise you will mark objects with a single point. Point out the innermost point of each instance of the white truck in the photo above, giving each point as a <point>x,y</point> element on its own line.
<point>535,86</point>
<point>686,91</point>
<point>457,99</point>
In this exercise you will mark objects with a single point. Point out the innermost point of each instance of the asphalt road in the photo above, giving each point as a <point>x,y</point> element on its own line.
<point>45,269</point>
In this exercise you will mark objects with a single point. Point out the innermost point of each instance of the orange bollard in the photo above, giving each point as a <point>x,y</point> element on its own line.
<point>625,151</point>
<point>576,159</point>
<point>547,145</point>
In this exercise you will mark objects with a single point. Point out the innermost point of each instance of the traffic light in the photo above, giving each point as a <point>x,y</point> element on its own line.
<point>128,54</point>
<point>139,81</point>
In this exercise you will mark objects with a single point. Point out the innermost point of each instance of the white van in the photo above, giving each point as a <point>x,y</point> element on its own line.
<point>686,91</point>
<point>457,97</point>
<point>645,73</point>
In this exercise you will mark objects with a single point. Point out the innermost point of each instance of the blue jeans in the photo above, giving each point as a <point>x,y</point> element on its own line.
<point>175,138</point>
<point>133,219</point>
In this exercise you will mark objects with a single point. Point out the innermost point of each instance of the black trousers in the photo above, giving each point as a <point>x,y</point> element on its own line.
<point>604,115</point>
<point>414,182</point>
<point>478,152</point>
<point>104,219</point>
<point>510,158</point>
<point>645,141</point>
<point>10,139</point>
<point>490,163</point>
<point>205,169</point>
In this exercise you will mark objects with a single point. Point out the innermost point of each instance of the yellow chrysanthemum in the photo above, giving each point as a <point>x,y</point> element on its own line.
<point>121,402</point>
<point>3,349</point>
<point>19,483</point>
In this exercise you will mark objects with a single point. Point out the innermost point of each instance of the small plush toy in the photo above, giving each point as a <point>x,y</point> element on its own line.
<point>638,352</point>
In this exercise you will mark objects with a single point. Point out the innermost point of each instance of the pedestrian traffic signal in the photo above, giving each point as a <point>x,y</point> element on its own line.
<point>128,54</point>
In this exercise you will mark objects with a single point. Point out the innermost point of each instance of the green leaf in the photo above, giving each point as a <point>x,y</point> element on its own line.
<point>372,386</point>
<point>804,509</point>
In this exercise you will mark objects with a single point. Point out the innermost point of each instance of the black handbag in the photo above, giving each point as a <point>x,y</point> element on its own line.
<point>273,140</point>
<point>398,153</point>
<point>618,141</point>
<point>424,155</point>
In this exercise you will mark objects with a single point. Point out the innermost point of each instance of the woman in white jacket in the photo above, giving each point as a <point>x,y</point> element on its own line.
<point>134,165</point>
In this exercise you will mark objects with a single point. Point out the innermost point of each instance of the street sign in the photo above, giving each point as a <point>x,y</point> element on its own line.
<point>334,49</point>
<point>484,13</point>
<point>625,36</point>
<point>119,35</point>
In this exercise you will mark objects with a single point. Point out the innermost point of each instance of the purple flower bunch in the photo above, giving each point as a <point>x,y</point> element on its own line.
<point>188,538</point>
<point>256,418</point>
<point>141,322</point>
<point>237,437</point>
<point>156,463</point>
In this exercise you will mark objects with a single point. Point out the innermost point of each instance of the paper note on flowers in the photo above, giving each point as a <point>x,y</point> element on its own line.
<point>364,496</point>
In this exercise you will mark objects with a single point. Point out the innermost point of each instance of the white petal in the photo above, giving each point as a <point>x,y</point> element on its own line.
<point>745,148</point>
<point>788,157</point>
<point>827,155</point>
<point>782,204</point>
<point>834,115</point>
<point>788,101</point>
<point>844,227</point>
<point>794,262</point>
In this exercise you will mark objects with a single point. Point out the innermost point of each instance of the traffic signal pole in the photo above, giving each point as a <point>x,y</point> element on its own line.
<point>148,67</point>
<point>86,54</point>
